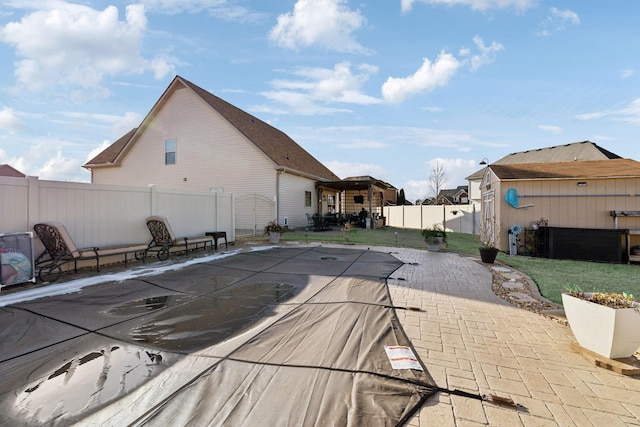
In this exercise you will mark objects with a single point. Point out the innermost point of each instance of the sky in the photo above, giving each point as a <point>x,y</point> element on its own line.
<point>391,89</point>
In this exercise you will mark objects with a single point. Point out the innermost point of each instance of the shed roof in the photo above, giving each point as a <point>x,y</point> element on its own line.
<point>594,169</point>
<point>585,150</point>
<point>275,144</point>
<point>576,151</point>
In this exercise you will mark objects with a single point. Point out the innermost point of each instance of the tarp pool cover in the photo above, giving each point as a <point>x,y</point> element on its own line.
<point>285,336</point>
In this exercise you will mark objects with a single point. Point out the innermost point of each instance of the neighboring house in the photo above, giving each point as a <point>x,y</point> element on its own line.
<point>575,194</point>
<point>577,151</point>
<point>6,170</point>
<point>455,196</point>
<point>191,139</point>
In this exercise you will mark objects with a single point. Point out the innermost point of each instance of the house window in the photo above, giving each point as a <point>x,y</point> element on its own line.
<point>170,151</point>
<point>307,198</point>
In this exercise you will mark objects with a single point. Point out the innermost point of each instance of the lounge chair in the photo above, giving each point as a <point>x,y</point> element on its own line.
<point>163,238</point>
<point>59,250</point>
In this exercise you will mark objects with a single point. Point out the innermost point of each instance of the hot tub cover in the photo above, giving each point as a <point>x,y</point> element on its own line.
<point>286,336</point>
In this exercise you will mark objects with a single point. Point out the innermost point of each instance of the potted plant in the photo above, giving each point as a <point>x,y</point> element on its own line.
<point>273,229</point>
<point>605,323</point>
<point>434,237</point>
<point>488,249</point>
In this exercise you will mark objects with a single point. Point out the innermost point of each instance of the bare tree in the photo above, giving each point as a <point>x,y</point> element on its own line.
<point>437,180</point>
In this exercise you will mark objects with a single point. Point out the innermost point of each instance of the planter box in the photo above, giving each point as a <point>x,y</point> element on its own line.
<point>274,237</point>
<point>434,243</point>
<point>610,332</point>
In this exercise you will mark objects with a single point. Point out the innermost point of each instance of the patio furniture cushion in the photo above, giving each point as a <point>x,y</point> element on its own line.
<point>163,237</point>
<point>59,249</point>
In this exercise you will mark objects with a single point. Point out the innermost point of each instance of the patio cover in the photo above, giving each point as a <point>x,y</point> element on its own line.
<point>286,336</point>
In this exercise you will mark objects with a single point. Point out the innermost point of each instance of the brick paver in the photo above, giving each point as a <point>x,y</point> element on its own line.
<point>472,340</point>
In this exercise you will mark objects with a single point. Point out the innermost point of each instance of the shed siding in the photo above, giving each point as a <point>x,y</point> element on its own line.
<point>292,190</point>
<point>210,153</point>
<point>565,204</point>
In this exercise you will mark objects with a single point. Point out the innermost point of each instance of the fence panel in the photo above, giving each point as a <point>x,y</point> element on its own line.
<point>457,218</point>
<point>103,215</point>
<point>14,193</point>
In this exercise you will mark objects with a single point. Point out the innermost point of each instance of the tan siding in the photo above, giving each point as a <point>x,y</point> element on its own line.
<point>565,204</point>
<point>292,189</point>
<point>210,153</point>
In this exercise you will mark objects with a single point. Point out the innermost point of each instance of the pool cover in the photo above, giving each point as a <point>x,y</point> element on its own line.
<point>285,336</point>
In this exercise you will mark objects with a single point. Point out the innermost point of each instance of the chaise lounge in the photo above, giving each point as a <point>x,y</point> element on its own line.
<point>163,238</point>
<point>59,250</point>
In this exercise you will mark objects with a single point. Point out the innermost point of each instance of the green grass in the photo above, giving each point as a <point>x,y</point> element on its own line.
<point>552,276</point>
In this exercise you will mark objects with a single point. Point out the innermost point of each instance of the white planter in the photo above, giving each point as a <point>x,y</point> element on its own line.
<point>611,332</point>
<point>434,243</point>
<point>274,237</point>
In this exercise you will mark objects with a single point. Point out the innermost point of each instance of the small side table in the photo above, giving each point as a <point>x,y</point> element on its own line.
<point>217,235</point>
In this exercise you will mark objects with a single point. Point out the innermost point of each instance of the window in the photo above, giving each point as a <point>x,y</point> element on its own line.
<point>307,198</point>
<point>170,151</point>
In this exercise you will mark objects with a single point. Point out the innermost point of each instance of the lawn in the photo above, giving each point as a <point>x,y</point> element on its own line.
<point>552,276</point>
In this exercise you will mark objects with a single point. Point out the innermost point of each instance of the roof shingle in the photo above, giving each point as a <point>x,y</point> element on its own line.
<point>614,168</point>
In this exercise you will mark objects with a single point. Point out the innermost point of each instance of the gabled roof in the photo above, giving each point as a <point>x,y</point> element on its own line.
<point>275,144</point>
<point>6,170</point>
<point>590,169</point>
<point>585,150</point>
<point>576,151</point>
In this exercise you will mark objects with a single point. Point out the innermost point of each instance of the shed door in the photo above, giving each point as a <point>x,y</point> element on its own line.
<point>487,231</point>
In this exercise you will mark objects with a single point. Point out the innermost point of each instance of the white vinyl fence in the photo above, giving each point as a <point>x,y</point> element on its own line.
<point>457,218</point>
<point>103,215</point>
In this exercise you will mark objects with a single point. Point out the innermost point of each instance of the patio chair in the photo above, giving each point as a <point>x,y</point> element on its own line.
<point>59,250</point>
<point>163,238</point>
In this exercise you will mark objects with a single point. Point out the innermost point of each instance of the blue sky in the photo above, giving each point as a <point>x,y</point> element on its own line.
<point>382,88</point>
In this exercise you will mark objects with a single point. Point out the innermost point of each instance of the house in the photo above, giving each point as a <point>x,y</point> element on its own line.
<point>6,170</point>
<point>192,139</point>
<point>455,196</point>
<point>577,151</point>
<point>575,194</point>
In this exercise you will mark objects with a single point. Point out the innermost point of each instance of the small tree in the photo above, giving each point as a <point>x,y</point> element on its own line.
<point>437,180</point>
<point>401,199</point>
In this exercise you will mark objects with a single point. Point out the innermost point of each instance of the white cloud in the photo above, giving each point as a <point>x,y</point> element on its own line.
<point>76,46</point>
<point>9,121</point>
<point>629,114</point>
<point>482,5</point>
<point>328,24</point>
<point>316,87</point>
<point>428,77</point>
<point>456,171</point>
<point>487,53</point>
<point>347,169</point>
<point>551,129</point>
<point>223,9</point>
<point>46,159</point>
<point>626,74</point>
<point>125,123</point>
<point>557,20</point>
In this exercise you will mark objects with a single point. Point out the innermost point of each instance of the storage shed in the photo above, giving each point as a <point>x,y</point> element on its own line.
<point>578,194</point>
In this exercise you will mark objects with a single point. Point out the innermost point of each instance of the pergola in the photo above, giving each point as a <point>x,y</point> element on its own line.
<point>357,192</point>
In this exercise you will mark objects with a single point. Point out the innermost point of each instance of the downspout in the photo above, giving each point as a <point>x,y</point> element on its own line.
<point>278,173</point>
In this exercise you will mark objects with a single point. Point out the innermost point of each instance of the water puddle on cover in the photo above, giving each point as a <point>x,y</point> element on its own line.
<point>211,319</point>
<point>87,381</point>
